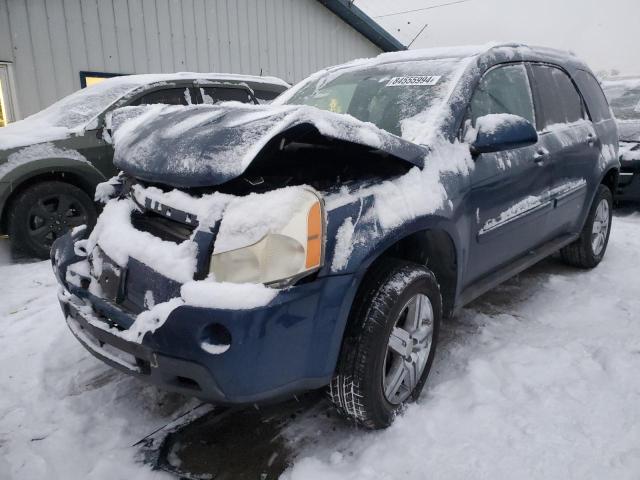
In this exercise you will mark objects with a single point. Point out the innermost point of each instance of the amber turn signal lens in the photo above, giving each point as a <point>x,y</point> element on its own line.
<point>314,236</point>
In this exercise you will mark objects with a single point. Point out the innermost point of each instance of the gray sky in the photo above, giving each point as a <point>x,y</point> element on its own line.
<point>605,33</point>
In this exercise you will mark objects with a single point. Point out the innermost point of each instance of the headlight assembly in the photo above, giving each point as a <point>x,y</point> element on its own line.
<point>281,257</point>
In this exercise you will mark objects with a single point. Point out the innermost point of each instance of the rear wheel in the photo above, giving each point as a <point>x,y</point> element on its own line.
<point>390,345</point>
<point>45,211</point>
<point>589,249</point>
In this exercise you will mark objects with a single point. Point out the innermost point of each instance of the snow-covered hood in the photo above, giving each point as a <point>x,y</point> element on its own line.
<point>206,145</point>
<point>629,130</point>
<point>28,132</point>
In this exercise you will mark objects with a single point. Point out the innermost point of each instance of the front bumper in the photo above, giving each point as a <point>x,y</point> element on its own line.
<point>286,347</point>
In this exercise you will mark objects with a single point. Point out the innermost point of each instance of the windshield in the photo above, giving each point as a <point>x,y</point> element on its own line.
<point>624,98</point>
<point>385,94</point>
<point>77,109</point>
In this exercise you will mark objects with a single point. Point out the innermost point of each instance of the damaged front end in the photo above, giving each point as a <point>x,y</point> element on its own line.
<point>210,294</point>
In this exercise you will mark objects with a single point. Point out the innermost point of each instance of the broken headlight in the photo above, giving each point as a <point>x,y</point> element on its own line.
<point>281,257</point>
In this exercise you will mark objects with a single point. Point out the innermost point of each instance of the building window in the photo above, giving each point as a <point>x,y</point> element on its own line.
<point>7,113</point>
<point>91,78</point>
<point>3,119</point>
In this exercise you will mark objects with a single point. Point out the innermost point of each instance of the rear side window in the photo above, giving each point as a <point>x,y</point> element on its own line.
<point>596,101</point>
<point>265,95</point>
<point>558,100</point>
<point>503,90</point>
<point>168,96</point>
<point>213,95</point>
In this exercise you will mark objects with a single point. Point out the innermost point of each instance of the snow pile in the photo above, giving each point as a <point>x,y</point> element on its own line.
<point>120,240</point>
<point>63,413</point>
<point>537,379</point>
<point>226,296</point>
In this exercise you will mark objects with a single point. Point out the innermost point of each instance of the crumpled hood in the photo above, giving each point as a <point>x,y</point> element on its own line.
<point>206,145</point>
<point>629,130</point>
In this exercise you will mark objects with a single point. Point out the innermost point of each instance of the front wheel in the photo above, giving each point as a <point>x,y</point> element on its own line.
<point>45,211</point>
<point>589,249</point>
<point>390,344</point>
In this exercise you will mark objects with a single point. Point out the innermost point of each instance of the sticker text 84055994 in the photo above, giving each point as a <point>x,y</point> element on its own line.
<point>427,80</point>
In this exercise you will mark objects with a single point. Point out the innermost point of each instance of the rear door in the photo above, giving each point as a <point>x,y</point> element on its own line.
<point>569,141</point>
<point>507,194</point>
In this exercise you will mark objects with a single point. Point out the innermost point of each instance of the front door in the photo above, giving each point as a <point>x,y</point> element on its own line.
<point>508,195</point>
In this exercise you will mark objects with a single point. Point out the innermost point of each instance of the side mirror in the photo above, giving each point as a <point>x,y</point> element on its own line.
<point>502,131</point>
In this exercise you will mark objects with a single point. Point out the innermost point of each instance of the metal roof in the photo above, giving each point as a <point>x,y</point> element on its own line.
<point>363,23</point>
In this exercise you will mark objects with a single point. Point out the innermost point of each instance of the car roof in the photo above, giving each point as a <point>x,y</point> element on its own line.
<point>493,52</point>
<point>253,81</point>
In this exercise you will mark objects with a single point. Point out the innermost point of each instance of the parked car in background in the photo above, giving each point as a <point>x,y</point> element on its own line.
<point>51,162</point>
<point>624,97</point>
<point>249,254</point>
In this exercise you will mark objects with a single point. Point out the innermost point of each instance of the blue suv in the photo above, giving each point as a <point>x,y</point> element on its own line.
<point>250,253</point>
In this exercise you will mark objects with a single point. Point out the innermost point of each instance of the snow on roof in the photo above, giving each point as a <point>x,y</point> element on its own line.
<point>148,78</point>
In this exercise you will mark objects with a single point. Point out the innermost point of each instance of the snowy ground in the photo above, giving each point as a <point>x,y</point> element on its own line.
<point>537,379</point>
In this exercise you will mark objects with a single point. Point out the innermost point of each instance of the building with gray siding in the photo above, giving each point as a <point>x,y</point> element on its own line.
<point>50,48</point>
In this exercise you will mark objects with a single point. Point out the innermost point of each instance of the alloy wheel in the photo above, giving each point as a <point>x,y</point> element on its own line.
<point>52,216</point>
<point>600,227</point>
<point>408,349</point>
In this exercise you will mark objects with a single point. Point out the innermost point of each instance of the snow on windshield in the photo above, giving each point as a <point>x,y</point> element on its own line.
<point>78,108</point>
<point>624,98</point>
<point>397,97</point>
<point>68,115</point>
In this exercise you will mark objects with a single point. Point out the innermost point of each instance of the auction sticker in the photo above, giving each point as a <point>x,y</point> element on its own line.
<point>427,80</point>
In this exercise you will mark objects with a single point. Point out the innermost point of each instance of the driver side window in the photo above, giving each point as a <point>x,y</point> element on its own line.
<point>503,90</point>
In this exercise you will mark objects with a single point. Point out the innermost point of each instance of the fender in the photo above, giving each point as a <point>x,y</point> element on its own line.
<point>15,177</point>
<point>362,259</point>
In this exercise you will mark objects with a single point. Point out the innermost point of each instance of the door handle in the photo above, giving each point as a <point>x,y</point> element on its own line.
<point>591,140</point>
<point>541,155</point>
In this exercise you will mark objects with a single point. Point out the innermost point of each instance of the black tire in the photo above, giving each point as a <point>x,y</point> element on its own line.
<point>366,357</point>
<point>582,253</point>
<point>45,211</point>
